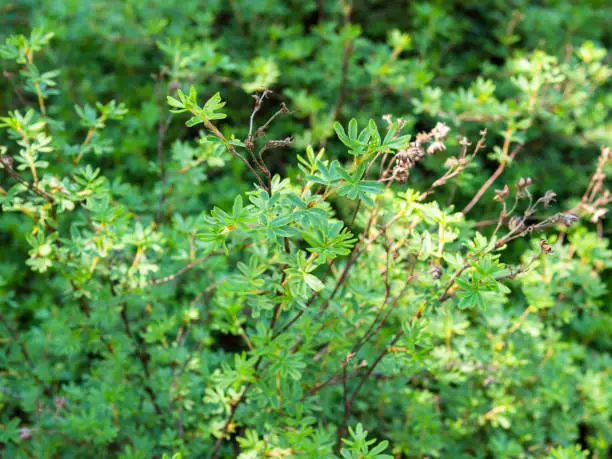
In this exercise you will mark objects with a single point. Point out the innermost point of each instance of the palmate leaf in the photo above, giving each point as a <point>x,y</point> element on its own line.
<point>212,106</point>
<point>356,141</point>
<point>355,188</point>
<point>188,103</point>
<point>178,106</point>
<point>341,134</point>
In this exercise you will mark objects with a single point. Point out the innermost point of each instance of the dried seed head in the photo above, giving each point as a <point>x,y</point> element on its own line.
<point>515,223</point>
<point>598,214</point>
<point>6,161</point>
<point>60,402</point>
<point>415,152</point>
<point>25,433</point>
<point>451,162</point>
<point>567,219</point>
<point>435,147</point>
<point>549,197</point>
<point>545,246</point>
<point>422,137</point>
<point>440,131</point>
<point>522,185</point>
<point>405,160</point>
<point>401,174</point>
<point>501,195</point>
<point>524,182</point>
<point>436,271</point>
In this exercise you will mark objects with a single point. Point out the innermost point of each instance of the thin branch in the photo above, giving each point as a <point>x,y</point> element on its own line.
<point>462,163</point>
<point>17,339</point>
<point>280,111</point>
<point>522,268</point>
<point>233,151</point>
<point>348,50</point>
<point>258,104</point>
<point>141,352</point>
<point>279,305</point>
<point>183,270</point>
<point>162,129</point>
<point>447,291</point>
<point>494,176</point>
<point>346,57</point>
<point>342,431</point>
<point>234,406</point>
<point>7,163</point>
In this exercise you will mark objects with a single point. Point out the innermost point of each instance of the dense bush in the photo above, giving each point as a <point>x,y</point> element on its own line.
<point>390,241</point>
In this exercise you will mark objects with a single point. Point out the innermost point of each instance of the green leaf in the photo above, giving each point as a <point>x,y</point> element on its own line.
<point>341,134</point>
<point>352,129</point>
<point>313,282</point>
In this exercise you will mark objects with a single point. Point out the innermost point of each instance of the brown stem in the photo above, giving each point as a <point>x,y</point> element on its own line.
<point>280,111</point>
<point>233,151</point>
<point>346,56</point>
<point>349,404</point>
<point>279,306</point>
<point>141,352</point>
<point>489,182</point>
<point>183,270</point>
<point>233,409</point>
<point>161,137</point>
<point>446,295</point>
<point>7,166</point>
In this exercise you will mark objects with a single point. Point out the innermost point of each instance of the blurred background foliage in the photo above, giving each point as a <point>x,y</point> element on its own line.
<point>534,72</point>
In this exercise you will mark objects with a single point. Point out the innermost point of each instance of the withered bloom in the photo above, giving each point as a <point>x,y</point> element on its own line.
<point>548,198</point>
<point>6,161</point>
<point>501,195</point>
<point>568,219</point>
<point>522,185</point>
<point>440,131</point>
<point>436,271</point>
<point>435,147</point>
<point>545,246</point>
<point>515,223</point>
<point>25,433</point>
<point>405,160</point>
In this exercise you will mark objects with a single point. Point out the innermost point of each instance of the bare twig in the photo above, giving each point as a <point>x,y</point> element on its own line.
<point>7,163</point>
<point>279,305</point>
<point>162,128</point>
<point>521,269</point>
<point>497,173</point>
<point>260,130</point>
<point>346,57</point>
<point>385,351</point>
<point>234,152</point>
<point>461,163</point>
<point>141,351</point>
<point>183,270</point>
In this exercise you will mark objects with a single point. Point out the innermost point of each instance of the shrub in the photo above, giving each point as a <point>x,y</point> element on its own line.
<point>373,246</point>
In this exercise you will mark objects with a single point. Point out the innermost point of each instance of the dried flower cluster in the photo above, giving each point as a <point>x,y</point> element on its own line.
<point>406,159</point>
<point>596,198</point>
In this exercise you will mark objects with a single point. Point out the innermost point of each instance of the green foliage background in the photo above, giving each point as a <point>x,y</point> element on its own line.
<point>104,356</point>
